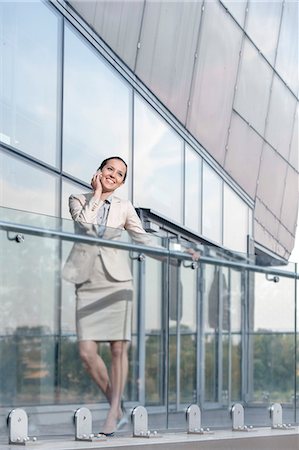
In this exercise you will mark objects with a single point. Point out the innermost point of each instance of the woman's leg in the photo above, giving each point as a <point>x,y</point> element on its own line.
<point>118,377</point>
<point>95,366</point>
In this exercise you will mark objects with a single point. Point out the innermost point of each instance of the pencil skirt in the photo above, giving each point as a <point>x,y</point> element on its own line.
<point>104,307</point>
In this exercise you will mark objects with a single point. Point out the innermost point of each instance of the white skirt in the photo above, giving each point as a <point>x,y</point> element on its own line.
<point>104,307</point>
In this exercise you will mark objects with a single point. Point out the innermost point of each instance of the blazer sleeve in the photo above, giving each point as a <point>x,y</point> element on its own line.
<point>134,226</point>
<point>84,210</point>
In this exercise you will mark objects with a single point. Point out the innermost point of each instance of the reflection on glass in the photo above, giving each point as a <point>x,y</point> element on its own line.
<point>212,205</point>
<point>235,221</point>
<point>29,78</point>
<point>273,367</point>
<point>158,162</point>
<point>97,99</point>
<point>193,164</point>
<point>23,186</point>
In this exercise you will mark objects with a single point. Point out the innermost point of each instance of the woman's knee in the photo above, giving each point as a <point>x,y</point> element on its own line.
<point>87,354</point>
<point>119,349</point>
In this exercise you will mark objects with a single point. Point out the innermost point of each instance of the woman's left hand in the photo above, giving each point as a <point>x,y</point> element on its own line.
<point>194,254</point>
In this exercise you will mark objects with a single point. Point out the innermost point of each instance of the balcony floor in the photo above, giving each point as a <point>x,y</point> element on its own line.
<point>256,439</point>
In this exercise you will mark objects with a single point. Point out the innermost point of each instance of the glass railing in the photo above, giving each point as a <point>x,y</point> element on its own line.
<point>212,333</point>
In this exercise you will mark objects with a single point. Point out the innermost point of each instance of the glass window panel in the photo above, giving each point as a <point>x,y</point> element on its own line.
<point>193,164</point>
<point>212,205</point>
<point>96,98</point>
<point>25,187</point>
<point>287,50</point>
<point>262,25</point>
<point>280,117</point>
<point>213,89</point>
<point>158,163</point>
<point>235,222</point>
<point>29,79</point>
<point>254,82</point>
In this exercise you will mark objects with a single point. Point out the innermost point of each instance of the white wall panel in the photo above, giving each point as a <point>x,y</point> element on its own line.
<point>271,181</point>
<point>243,154</point>
<point>118,23</point>
<point>214,79</point>
<point>280,117</point>
<point>167,48</point>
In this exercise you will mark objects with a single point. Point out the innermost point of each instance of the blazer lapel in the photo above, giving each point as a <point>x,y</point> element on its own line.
<point>113,220</point>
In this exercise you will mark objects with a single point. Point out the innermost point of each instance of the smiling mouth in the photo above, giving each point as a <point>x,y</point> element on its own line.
<point>110,181</point>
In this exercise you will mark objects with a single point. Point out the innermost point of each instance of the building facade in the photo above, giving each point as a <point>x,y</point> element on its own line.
<point>201,99</point>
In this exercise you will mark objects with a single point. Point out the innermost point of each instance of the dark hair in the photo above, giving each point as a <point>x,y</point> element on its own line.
<point>103,163</point>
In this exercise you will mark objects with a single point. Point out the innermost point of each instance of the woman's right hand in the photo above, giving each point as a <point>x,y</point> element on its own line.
<point>96,184</point>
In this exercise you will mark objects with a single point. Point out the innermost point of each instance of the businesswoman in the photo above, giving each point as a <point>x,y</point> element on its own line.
<point>103,278</point>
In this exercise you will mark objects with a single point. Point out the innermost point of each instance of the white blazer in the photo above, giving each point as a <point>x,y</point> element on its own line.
<point>122,216</point>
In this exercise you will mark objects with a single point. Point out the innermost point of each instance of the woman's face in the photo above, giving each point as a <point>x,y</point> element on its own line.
<point>113,174</point>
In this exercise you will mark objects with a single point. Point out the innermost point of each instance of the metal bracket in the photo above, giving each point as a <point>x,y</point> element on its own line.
<point>193,265</point>
<point>18,428</point>
<point>83,425</point>
<point>140,257</point>
<point>237,413</point>
<point>140,423</point>
<point>19,238</point>
<point>276,418</point>
<point>193,416</point>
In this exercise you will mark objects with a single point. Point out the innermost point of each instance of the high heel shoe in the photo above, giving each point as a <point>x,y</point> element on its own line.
<point>124,420</point>
<point>101,433</point>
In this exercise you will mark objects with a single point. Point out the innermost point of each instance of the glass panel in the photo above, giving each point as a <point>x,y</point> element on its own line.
<point>287,50</point>
<point>96,98</point>
<point>24,186</point>
<point>188,336</point>
<point>262,25</point>
<point>28,319</point>
<point>273,340</point>
<point>235,223</point>
<point>212,205</point>
<point>254,82</point>
<point>29,79</point>
<point>158,163</point>
<point>211,333</point>
<point>280,117</point>
<point>153,329</point>
<point>193,165</point>
<point>214,85</point>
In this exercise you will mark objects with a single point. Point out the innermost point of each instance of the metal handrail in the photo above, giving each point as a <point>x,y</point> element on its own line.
<point>158,251</point>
